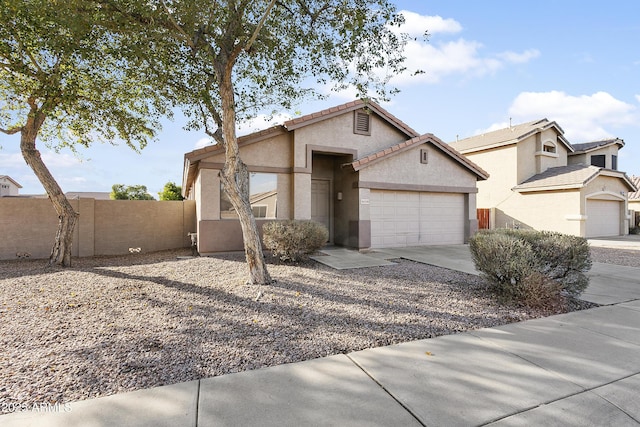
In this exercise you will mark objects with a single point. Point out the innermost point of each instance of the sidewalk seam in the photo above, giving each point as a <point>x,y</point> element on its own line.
<point>197,404</point>
<point>583,391</point>
<point>387,391</point>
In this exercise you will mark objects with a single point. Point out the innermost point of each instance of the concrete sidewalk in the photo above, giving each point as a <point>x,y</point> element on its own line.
<point>575,369</point>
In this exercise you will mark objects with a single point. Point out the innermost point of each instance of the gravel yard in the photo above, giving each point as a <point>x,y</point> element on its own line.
<point>115,324</point>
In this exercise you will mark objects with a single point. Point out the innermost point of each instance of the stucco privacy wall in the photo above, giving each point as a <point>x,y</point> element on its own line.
<point>105,227</point>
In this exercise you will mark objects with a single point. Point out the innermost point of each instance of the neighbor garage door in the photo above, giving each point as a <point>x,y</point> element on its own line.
<point>405,218</point>
<point>603,218</point>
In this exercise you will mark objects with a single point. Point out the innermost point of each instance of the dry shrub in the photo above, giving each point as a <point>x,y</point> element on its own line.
<point>532,268</point>
<point>294,240</point>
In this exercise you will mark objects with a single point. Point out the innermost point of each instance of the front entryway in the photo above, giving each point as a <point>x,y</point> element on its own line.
<point>321,202</point>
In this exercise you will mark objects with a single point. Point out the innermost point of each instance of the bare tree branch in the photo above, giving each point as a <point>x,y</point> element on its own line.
<point>177,27</point>
<point>254,36</point>
<point>12,130</point>
<point>25,50</point>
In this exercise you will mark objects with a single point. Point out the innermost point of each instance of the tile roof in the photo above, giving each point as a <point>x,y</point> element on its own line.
<point>571,176</point>
<point>588,146</point>
<point>422,139</point>
<point>636,194</point>
<point>507,136</point>
<point>242,140</point>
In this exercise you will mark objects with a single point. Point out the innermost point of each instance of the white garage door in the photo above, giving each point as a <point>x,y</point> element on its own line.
<point>405,218</point>
<point>603,218</point>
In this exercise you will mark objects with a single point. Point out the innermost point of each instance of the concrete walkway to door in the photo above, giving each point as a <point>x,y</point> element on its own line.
<point>453,257</point>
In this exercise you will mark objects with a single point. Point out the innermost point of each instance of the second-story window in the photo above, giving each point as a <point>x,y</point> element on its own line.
<point>598,160</point>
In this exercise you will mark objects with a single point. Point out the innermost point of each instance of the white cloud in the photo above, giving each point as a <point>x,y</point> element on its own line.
<point>55,160</point>
<point>638,98</point>
<point>11,161</point>
<point>519,58</point>
<point>416,25</point>
<point>583,118</point>
<point>461,57</point>
<point>449,57</point>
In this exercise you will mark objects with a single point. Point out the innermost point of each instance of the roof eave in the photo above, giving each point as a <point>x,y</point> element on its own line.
<point>548,188</point>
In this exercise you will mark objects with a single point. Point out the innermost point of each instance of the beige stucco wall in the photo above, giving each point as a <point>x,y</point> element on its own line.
<point>561,211</point>
<point>406,168</point>
<point>105,227</point>
<point>532,159</point>
<point>548,210</point>
<point>277,150</point>
<point>501,164</point>
<point>338,132</point>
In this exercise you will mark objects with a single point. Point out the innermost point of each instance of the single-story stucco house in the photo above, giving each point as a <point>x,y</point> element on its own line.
<point>370,178</point>
<point>539,180</point>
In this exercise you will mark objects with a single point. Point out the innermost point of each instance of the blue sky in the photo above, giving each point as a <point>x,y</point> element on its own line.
<point>575,62</point>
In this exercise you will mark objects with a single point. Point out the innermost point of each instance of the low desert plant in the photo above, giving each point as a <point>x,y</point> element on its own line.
<point>532,268</point>
<point>293,240</point>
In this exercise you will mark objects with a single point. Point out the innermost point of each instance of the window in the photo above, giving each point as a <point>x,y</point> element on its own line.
<point>598,160</point>
<point>548,147</point>
<point>263,196</point>
<point>362,123</point>
<point>259,211</point>
<point>614,162</point>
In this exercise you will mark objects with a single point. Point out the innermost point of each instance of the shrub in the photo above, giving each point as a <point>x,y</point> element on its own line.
<point>293,240</point>
<point>532,268</point>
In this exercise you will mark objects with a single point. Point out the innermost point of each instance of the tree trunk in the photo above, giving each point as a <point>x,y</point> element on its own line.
<point>235,179</point>
<point>61,251</point>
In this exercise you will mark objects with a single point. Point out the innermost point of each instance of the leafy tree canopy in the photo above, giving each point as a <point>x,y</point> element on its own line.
<point>130,192</point>
<point>171,191</point>
<point>56,61</point>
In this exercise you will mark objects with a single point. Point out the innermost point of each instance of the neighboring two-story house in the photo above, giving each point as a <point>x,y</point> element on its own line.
<point>370,178</point>
<point>8,186</point>
<point>539,180</point>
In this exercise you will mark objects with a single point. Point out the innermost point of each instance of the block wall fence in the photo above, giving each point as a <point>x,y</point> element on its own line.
<point>105,227</point>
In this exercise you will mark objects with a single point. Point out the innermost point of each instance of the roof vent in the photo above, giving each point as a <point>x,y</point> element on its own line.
<point>362,123</point>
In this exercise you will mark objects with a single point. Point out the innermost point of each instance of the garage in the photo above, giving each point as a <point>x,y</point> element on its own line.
<point>409,218</point>
<point>603,218</point>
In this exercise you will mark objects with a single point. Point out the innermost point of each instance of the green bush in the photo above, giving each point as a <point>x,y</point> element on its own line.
<point>532,268</point>
<point>293,240</point>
